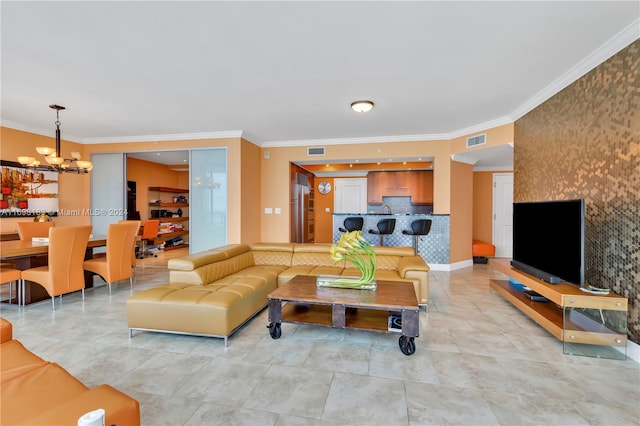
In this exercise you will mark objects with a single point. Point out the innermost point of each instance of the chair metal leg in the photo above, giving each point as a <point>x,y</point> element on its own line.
<point>109,285</point>
<point>83,294</point>
<point>131,282</point>
<point>53,303</point>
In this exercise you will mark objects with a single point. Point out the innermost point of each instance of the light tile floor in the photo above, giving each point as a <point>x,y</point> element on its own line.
<point>478,361</point>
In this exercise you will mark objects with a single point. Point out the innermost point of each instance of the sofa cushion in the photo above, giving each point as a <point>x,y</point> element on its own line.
<point>213,309</point>
<point>119,408</point>
<point>46,386</point>
<point>289,273</point>
<point>272,253</point>
<point>17,360</point>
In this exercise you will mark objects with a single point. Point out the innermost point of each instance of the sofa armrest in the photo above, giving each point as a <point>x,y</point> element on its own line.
<point>416,269</point>
<point>411,263</point>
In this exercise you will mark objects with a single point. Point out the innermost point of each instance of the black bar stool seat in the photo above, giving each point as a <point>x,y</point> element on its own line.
<point>352,223</point>
<point>418,228</point>
<point>385,227</point>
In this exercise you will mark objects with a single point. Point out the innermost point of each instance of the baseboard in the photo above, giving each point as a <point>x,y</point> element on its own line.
<point>450,266</point>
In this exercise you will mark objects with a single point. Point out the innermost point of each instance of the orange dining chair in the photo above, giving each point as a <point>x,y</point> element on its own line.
<point>149,234</point>
<point>116,265</point>
<point>64,272</point>
<point>133,245</point>
<point>28,230</point>
<point>9,275</point>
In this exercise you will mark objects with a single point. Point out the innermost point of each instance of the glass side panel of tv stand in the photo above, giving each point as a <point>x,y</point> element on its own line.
<point>599,333</point>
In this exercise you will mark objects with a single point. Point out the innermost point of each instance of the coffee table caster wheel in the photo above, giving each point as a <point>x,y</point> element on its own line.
<point>407,345</point>
<point>274,330</point>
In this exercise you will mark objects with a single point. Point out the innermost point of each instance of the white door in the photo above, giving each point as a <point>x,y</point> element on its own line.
<point>503,214</point>
<point>350,195</point>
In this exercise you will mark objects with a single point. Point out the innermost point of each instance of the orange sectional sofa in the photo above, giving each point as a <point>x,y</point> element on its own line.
<point>38,392</point>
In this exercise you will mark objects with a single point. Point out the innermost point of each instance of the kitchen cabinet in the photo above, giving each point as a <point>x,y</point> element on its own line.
<point>415,184</point>
<point>396,184</point>
<point>171,207</point>
<point>422,187</point>
<point>374,188</point>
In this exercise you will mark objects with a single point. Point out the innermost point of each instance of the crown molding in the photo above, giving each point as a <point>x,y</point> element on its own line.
<point>621,40</point>
<point>463,158</point>
<point>355,141</point>
<point>169,137</point>
<point>481,127</point>
<point>39,131</point>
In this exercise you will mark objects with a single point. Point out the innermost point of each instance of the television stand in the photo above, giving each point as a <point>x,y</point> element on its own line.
<point>582,321</point>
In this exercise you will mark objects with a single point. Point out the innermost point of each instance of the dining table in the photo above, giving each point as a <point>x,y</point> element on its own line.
<point>26,254</point>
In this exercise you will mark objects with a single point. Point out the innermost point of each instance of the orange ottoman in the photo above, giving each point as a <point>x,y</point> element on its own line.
<point>481,251</point>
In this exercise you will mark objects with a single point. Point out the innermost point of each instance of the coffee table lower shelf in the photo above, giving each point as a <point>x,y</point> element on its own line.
<point>343,316</point>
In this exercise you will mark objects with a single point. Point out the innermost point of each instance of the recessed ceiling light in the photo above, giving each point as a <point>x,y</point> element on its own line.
<point>362,106</point>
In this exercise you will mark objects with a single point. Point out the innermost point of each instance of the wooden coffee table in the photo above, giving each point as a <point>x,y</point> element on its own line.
<point>345,308</point>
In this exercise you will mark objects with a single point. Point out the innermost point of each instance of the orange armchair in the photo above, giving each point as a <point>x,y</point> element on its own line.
<point>64,272</point>
<point>116,265</point>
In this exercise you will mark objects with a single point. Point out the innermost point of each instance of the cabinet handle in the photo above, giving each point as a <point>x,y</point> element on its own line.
<point>572,336</point>
<point>618,341</point>
<point>618,304</point>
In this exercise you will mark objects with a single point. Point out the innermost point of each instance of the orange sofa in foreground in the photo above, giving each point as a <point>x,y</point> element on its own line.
<point>38,392</point>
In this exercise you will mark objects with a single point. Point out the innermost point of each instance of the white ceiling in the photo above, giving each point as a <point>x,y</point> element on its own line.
<point>284,73</point>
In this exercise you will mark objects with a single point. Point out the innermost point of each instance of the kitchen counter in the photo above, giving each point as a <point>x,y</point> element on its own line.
<point>434,247</point>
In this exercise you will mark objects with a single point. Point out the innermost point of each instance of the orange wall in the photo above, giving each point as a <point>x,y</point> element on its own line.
<point>146,174</point>
<point>323,218</point>
<point>461,212</point>
<point>250,219</point>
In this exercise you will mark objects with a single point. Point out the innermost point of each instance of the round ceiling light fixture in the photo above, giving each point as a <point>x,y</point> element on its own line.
<point>362,106</point>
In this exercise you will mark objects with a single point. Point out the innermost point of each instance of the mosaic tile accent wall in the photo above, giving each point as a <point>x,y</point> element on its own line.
<point>584,142</point>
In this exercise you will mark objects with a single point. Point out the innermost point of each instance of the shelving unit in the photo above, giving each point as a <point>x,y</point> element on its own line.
<point>157,193</point>
<point>572,316</point>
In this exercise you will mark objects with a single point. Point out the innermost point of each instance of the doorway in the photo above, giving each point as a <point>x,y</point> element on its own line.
<point>350,195</point>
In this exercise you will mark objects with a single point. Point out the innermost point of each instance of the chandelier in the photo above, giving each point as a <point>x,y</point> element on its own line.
<point>56,163</point>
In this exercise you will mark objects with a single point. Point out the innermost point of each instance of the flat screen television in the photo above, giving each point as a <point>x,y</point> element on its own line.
<point>548,240</point>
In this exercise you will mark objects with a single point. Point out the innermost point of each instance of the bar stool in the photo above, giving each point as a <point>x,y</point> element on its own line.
<point>418,227</point>
<point>385,227</point>
<point>352,223</point>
